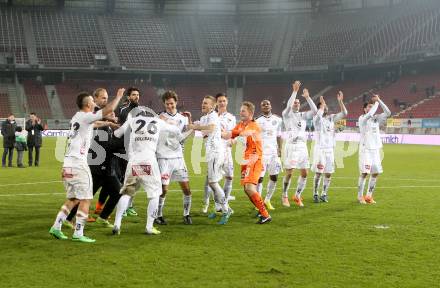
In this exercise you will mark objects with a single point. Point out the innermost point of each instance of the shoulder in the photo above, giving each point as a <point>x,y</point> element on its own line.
<point>254,125</point>
<point>230,115</point>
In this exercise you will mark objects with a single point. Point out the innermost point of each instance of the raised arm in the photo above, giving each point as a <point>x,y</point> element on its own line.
<point>386,111</point>
<point>344,112</point>
<point>110,107</point>
<point>372,111</point>
<point>314,109</point>
<point>295,89</point>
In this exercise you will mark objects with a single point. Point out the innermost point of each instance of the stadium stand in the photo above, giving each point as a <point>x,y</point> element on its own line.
<point>398,95</point>
<point>12,35</point>
<point>427,108</point>
<point>4,104</point>
<point>66,38</point>
<point>37,99</point>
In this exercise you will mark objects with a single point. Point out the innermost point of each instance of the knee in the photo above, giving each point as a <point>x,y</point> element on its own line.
<point>304,173</point>
<point>260,180</point>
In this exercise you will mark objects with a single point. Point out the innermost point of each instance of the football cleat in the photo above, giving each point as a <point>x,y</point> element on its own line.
<point>83,239</point>
<point>315,198</point>
<point>160,221</point>
<point>362,200</point>
<point>116,230</point>
<point>324,198</point>
<point>264,220</point>
<point>104,222</point>
<point>369,200</point>
<point>57,233</point>
<point>298,201</point>
<point>285,202</point>
<point>187,220</point>
<point>131,212</point>
<point>153,231</point>
<point>224,219</point>
<point>268,205</point>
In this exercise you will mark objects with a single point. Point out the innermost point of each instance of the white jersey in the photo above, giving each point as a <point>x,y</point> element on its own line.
<point>369,125</point>
<point>227,122</point>
<point>270,131</point>
<point>169,146</point>
<point>325,129</point>
<point>214,143</point>
<point>80,136</point>
<point>145,133</point>
<point>295,122</point>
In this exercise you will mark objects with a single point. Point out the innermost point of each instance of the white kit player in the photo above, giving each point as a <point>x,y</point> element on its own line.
<point>295,154</point>
<point>227,122</point>
<point>325,142</point>
<point>272,142</point>
<point>209,125</point>
<point>170,157</point>
<point>76,173</point>
<point>142,168</point>
<point>370,145</point>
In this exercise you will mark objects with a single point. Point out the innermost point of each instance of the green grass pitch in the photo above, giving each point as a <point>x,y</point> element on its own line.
<point>339,244</point>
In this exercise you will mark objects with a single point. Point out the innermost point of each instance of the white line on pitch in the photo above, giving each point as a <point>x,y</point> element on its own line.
<point>200,190</point>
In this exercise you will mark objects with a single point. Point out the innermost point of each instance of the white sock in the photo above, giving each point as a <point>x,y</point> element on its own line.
<point>161,204</point>
<point>301,186</point>
<point>152,208</point>
<point>208,192</point>
<point>186,204</point>
<point>271,186</point>
<point>81,219</point>
<point>219,196</point>
<point>316,183</point>
<point>227,187</point>
<point>361,185</point>
<point>325,185</point>
<point>61,216</point>
<point>286,186</point>
<point>371,186</point>
<point>130,203</point>
<point>120,209</point>
<point>259,188</point>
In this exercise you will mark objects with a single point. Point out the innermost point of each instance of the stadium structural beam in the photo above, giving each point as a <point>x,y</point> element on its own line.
<point>110,6</point>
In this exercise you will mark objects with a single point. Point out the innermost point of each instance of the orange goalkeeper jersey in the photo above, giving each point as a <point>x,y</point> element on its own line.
<point>253,143</point>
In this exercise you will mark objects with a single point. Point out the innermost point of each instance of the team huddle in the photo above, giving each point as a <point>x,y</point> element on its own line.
<point>154,146</point>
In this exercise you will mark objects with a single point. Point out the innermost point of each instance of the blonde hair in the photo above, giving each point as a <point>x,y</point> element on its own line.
<point>249,105</point>
<point>212,98</point>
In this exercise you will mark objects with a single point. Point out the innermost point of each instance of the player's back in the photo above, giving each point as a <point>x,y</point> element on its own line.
<point>369,128</point>
<point>144,137</point>
<point>295,125</point>
<point>80,134</point>
<point>325,131</point>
